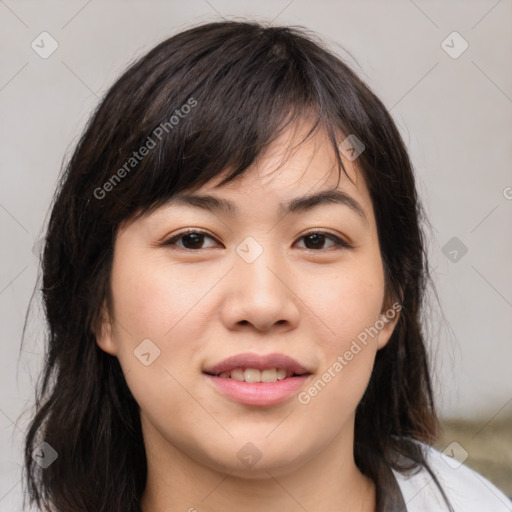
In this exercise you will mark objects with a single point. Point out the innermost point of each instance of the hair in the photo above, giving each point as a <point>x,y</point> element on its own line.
<point>244,83</point>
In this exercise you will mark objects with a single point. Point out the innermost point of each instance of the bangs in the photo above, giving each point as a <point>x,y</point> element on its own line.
<point>198,107</point>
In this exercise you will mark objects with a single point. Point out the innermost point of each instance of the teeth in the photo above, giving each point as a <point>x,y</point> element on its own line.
<point>255,375</point>
<point>269,375</point>
<point>252,375</point>
<point>237,374</point>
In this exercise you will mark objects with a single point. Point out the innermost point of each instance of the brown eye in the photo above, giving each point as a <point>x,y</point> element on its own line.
<point>316,240</point>
<point>190,240</point>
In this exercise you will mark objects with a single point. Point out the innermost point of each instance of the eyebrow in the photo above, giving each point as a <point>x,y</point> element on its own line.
<point>296,205</point>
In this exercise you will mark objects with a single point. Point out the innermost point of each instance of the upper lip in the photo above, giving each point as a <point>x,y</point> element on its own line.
<point>257,361</point>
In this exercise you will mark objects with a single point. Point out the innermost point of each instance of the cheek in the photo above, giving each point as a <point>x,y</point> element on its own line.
<point>157,302</point>
<point>155,310</point>
<point>152,298</point>
<point>336,392</point>
<point>347,308</point>
<point>351,310</point>
<point>348,303</point>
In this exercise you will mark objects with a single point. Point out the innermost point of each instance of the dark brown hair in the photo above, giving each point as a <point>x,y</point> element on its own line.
<point>243,82</point>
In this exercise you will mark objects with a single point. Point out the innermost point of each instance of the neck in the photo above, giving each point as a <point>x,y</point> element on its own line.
<point>329,480</point>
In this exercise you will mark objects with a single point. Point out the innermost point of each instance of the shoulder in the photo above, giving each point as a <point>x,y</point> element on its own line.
<point>466,490</point>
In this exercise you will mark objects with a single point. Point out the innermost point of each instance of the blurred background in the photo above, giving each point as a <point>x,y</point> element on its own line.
<point>441,68</point>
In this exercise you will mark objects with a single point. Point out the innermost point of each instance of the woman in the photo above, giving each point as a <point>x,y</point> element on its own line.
<point>265,369</point>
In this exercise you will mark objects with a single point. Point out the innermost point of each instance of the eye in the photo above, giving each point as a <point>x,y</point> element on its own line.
<point>317,238</point>
<point>192,239</point>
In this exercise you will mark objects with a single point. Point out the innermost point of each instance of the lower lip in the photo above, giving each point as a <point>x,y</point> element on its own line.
<point>258,393</point>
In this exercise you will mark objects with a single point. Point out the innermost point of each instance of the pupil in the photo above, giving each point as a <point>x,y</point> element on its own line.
<point>195,242</point>
<point>317,239</point>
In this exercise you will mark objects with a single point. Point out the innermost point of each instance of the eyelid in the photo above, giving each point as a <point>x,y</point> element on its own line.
<point>186,231</point>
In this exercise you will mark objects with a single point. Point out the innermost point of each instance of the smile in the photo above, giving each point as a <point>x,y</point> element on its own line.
<point>257,379</point>
<point>255,375</point>
<point>249,386</point>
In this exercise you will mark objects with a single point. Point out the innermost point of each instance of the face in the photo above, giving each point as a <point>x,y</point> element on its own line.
<point>293,297</point>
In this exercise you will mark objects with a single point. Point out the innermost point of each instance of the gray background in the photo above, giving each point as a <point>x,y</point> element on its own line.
<point>455,115</point>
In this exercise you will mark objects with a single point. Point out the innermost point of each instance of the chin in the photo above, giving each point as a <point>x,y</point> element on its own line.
<point>255,458</point>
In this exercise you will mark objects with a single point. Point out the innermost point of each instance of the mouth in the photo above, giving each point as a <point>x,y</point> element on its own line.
<point>256,380</point>
<point>255,375</point>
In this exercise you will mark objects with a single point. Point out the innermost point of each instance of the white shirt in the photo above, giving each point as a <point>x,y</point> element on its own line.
<point>466,490</point>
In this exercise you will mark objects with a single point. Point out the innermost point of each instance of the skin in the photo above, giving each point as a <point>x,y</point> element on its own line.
<point>306,299</point>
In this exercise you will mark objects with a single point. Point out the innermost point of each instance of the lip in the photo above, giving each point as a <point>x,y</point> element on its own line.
<point>259,394</point>
<point>257,361</point>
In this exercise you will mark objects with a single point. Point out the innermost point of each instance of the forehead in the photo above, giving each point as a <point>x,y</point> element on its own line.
<point>293,175</point>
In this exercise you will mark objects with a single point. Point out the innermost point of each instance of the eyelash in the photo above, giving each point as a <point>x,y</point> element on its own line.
<point>338,241</point>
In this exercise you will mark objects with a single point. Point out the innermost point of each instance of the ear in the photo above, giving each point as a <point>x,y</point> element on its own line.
<point>104,335</point>
<point>389,317</point>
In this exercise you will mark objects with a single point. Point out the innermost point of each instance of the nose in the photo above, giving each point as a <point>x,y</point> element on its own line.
<point>260,293</point>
